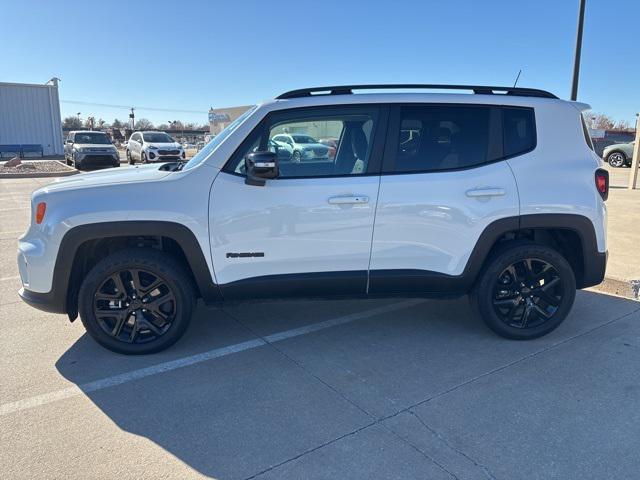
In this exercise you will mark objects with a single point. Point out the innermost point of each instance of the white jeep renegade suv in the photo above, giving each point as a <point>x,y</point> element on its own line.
<point>497,193</point>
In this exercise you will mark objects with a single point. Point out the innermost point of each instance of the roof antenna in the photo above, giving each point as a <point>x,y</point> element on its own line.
<point>517,78</point>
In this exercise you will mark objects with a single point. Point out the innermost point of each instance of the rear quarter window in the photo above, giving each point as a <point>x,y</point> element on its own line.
<point>519,130</point>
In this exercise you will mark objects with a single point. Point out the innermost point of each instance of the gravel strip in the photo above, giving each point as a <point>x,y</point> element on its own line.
<point>36,168</point>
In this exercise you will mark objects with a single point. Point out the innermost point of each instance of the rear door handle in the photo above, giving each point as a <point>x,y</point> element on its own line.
<point>348,199</point>
<point>486,192</point>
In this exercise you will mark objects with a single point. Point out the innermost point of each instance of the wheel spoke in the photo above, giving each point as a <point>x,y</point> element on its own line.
<point>506,301</point>
<point>121,319</point>
<point>540,311</point>
<point>547,297</point>
<point>117,280</point>
<point>525,316</point>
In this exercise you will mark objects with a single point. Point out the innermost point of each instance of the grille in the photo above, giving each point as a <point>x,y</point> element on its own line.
<point>168,152</point>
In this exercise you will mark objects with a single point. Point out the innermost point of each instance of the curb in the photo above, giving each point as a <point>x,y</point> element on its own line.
<point>620,287</point>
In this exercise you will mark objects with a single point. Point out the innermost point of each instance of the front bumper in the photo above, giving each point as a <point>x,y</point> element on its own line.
<point>96,159</point>
<point>165,155</point>
<point>51,302</point>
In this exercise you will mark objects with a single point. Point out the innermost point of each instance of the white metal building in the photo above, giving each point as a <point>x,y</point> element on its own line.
<point>30,114</point>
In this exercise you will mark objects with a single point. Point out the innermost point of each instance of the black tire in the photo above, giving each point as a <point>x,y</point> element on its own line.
<point>502,300</point>
<point>617,159</point>
<point>130,158</point>
<point>296,157</point>
<point>143,157</point>
<point>95,314</point>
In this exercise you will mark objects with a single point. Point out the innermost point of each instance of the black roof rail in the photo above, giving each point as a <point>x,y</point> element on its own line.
<point>478,89</point>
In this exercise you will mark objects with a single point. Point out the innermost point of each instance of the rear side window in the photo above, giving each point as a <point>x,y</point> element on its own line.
<point>519,128</point>
<point>434,137</point>
<point>448,137</point>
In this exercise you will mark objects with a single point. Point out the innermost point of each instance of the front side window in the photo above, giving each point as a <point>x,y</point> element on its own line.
<point>294,137</point>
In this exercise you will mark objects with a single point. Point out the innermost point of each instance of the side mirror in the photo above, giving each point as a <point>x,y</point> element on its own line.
<point>69,142</point>
<point>260,166</point>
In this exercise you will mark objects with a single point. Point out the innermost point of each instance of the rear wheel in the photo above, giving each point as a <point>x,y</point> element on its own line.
<point>136,301</point>
<point>525,291</point>
<point>616,159</point>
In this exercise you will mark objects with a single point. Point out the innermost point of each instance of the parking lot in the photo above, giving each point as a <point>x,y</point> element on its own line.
<point>400,388</point>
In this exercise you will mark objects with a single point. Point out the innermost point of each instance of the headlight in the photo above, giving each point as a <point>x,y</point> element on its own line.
<point>151,147</point>
<point>81,150</point>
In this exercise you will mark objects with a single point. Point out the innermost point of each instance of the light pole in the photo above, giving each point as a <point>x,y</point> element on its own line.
<point>576,61</point>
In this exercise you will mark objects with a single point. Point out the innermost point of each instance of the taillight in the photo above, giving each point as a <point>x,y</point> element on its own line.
<point>40,211</point>
<point>602,183</point>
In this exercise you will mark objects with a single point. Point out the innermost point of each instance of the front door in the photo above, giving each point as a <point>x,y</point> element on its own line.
<point>309,231</point>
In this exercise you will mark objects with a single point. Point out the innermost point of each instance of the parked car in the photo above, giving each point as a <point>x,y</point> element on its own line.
<point>87,150</point>
<point>619,154</point>
<point>332,143</point>
<point>474,206</point>
<point>304,147</point>
<point>153,147</point>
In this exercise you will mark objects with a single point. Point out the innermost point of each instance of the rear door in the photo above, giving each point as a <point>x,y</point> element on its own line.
<point>309,231</point>
<point>445,179</point>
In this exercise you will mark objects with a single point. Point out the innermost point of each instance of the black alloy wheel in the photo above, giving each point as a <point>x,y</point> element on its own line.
<point>527,293</point>
<point>137,301</point>
<point>134,306</point>
<point>525,290</point>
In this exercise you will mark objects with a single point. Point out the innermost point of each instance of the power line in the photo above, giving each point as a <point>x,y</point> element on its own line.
<point>128,107</point>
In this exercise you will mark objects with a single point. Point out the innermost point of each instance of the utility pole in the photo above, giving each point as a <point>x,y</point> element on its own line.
<point>133,118</point>
<point>633,178</point>
<point>576,61</point>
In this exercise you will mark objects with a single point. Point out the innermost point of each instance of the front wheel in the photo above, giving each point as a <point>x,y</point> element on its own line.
<point>525,291</point>
<point>616,159</point>
<point>136,301</point>
<point>143,157</point>
<point>130,158</point>
<point>296,157</point>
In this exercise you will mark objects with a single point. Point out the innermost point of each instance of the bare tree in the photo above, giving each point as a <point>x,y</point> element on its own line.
<point>623,125</point>
<point>163,126</point>
<point>600,121</point>
<point>117,124</point>
<point>72,122</point>
<point>143,124</point>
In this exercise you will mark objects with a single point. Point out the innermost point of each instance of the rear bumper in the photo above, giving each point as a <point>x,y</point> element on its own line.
<point>594,269</point>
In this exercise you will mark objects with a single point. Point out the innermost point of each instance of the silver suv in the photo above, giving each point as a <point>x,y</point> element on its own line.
<point>89,150</point>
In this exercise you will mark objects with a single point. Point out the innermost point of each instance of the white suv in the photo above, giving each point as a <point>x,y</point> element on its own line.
<point>497,193</point>
<point>147,147</point>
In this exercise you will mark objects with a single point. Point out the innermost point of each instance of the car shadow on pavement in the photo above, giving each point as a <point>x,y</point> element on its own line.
<point>248,412</point>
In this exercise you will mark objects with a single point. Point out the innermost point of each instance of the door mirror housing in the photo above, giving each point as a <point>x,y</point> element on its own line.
<point>260,166</point>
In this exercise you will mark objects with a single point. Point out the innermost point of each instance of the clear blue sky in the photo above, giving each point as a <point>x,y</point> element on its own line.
<point>190,55</point>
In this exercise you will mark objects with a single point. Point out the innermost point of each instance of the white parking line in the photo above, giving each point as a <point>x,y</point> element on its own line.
<point>6,279</point>
<point>79,390</point>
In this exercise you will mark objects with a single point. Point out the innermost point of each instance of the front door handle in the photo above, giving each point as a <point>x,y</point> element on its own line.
<point>348,199</point>
<point>486,192</point>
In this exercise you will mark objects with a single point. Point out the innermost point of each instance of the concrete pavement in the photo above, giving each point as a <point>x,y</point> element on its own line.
<point>343,389</point>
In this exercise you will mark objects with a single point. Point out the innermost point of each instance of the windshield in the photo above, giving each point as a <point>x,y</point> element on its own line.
<point>304,139</point>
<point>210,147</point>
<point>92,137</point>
<point>159,137</point>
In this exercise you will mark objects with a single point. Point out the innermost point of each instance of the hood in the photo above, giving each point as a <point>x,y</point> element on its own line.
<point>101,146</point>
<point>117,175</point>
<point>171,145</point>
<point>318,146</point>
